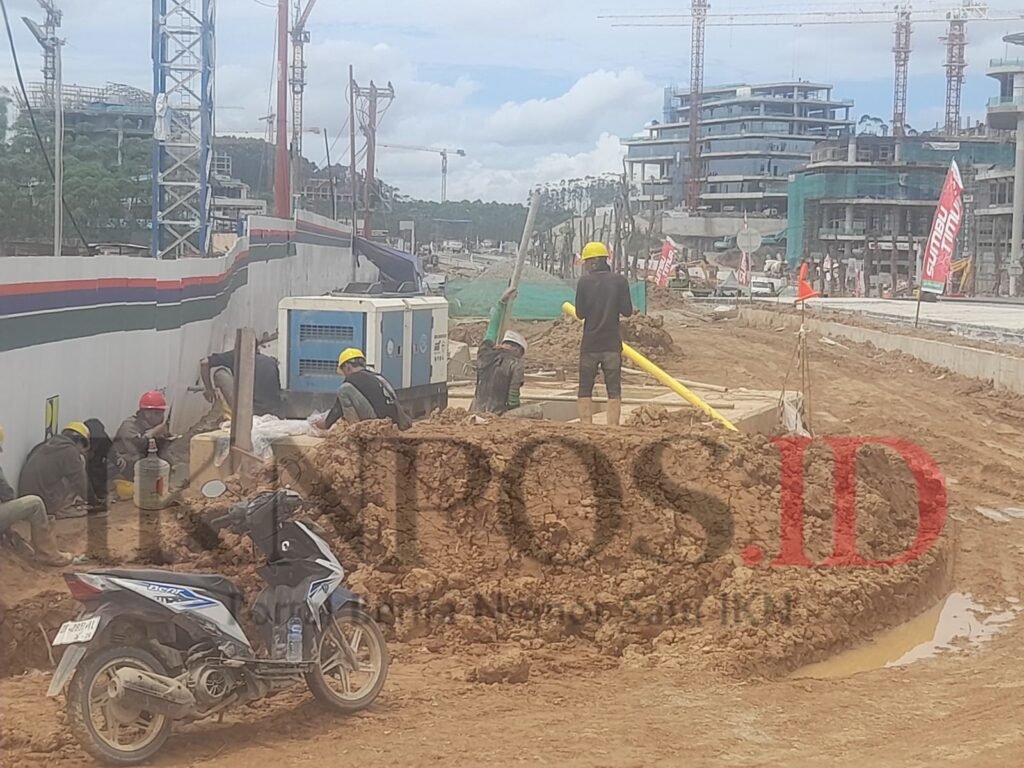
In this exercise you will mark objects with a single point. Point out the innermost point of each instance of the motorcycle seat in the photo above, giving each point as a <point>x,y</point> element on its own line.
<point>219,586</point>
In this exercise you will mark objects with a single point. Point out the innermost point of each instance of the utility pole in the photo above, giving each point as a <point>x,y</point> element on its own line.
<point>901,49</point>
<point>53,73</point>
<point>330,172</point>
<point>699,12</point>
<point>282,171</point>
<point>373,95</point>
<point>352,148</point>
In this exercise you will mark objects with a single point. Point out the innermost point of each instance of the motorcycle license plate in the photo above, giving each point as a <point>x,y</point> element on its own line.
<point>73,632</point>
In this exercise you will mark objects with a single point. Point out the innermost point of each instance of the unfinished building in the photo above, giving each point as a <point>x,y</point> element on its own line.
<point>752,138</point>
<point>872,198</point>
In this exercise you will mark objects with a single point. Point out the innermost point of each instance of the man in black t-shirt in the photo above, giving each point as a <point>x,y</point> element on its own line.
<point>218,373</point>
<point>602,299</point>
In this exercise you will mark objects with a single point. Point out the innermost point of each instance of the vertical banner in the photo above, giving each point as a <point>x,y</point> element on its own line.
<point>664,265</point>
<point>938,250</point>
<point>743,276</point>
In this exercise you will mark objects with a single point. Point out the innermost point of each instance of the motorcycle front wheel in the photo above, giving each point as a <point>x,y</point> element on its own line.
<point>349,677</point>
<point>109,731</point>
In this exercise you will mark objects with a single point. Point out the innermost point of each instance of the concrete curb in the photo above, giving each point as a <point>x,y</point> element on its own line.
<point>1004,371</point>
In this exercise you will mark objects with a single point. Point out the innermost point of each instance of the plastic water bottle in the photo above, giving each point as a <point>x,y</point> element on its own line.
<point>294,653</point>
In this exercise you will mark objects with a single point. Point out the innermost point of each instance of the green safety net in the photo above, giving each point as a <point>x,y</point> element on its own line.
<point>536,300</point>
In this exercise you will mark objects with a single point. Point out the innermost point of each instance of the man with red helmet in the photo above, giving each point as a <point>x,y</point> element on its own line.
<point>131,442</point>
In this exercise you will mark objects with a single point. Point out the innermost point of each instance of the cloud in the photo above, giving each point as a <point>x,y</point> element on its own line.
<point>592,103</point>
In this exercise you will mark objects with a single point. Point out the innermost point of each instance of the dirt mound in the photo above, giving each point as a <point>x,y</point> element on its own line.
<point>471,333</point>
<point>557,344</point>
<point>659,416</point>
<point>647,334</point>
<point>27,629</point>
<point>650,544</point>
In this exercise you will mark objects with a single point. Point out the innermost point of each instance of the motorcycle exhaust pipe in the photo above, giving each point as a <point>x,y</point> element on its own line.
<point>152,693</point>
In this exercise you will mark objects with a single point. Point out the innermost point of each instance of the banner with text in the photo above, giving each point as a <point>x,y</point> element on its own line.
<point>665,264</point>
<point>938,250</point>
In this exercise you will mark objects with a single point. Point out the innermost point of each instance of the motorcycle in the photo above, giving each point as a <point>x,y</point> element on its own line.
<point>155,647</point>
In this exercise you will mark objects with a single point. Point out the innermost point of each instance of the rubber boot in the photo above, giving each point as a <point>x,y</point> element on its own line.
<point>586,409</point>
<point>614,413</point>
<point>46,550</point>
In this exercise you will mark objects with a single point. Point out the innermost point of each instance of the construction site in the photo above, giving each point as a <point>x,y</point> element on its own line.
<point>780,530</point>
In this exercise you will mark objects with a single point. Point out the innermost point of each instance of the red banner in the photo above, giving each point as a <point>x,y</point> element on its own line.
<point>743,276</point>
<point>665,265</point>
<point>938,251</point>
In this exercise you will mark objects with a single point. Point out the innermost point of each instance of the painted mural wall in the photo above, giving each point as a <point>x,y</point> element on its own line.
<point>87,336</point>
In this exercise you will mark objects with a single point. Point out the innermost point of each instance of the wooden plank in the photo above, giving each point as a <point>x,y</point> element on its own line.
<point>245,380</point>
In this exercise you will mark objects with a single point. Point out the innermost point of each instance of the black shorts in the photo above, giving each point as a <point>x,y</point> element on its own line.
<point>610,364</point>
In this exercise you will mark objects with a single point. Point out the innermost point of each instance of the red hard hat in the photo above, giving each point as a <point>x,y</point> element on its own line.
<point>153,401</point>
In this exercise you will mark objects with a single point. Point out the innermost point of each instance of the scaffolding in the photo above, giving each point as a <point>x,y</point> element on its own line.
<point>183,87</point>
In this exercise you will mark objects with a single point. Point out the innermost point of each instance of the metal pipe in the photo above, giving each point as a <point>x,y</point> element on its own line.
<point>58,149</point>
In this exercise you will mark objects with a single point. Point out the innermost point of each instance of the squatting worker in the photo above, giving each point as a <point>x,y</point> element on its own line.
<point>131,442</point>
<point>14,509</point>
<point>55,472</point>
<point>218,375</point>
<point>500,368</point>
<point>602,299</point>
<point>364,395</point>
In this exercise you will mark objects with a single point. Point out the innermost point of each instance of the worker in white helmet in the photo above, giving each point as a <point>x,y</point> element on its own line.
<point>32,510</point>
<point>501,368</point>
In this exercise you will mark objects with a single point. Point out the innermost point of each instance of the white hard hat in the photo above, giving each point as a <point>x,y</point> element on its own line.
<point>517,339</point>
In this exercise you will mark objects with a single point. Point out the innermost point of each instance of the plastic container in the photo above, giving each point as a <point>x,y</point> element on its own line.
<point>294,653</point>
<point>152,481</point>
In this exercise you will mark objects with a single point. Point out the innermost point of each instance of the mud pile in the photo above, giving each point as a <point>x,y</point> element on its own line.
<point>558,344</point>
<point>26,631</point>
<point>654,545</point>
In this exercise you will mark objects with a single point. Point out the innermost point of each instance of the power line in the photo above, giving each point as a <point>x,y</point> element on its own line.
<point>35,128</point>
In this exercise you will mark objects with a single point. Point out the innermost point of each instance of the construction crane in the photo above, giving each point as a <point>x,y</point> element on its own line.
<point>901,53</point>
<point>299,37</point>
<point>700,18</point>
<point>443,152</point>
<point>699,14</point>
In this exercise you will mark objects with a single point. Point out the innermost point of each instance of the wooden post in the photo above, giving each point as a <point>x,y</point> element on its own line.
<point>245,379</point>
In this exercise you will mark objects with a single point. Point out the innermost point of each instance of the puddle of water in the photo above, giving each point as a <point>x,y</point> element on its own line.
<point>946,627</point>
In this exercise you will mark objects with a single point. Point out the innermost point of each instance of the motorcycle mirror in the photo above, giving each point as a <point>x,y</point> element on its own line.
<point>214,489</point>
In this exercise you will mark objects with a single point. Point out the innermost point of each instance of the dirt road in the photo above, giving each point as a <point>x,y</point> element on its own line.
<point>589,710</point>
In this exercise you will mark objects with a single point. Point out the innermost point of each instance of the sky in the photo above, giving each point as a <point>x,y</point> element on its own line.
<point>534,91</point>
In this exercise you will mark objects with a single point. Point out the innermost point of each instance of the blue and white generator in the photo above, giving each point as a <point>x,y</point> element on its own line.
<point>405,338</point>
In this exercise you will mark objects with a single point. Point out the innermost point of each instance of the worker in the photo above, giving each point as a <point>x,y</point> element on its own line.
<point>500,369</point>
<point>364,395</point>
<point>55,472</point>
<point>602,298</point>
<point>131,442</point>
<point>32,510</point>
<point>218,374</point>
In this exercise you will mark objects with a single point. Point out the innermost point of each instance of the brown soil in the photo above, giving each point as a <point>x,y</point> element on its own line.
<point>583,706</point>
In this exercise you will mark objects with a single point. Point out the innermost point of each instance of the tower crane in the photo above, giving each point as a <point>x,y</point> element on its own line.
<point>299,38</point>
<point>700,17</point>
<point>443,152</point>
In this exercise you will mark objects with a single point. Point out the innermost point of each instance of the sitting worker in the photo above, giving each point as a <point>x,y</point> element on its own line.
<point>218,374</point>
<point>131,442</point>
<point>500,369</point>
<point>29,509</point>
<point>364,395</point>
<point>55,472</point>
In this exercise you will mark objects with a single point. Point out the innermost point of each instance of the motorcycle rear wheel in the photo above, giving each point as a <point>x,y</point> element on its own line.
<point>88,700</point>
<point>333,681</point>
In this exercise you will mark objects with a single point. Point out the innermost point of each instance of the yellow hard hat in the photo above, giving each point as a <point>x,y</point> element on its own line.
<point>595,250</point>
<point>349,355</point>
<point>79,427</point>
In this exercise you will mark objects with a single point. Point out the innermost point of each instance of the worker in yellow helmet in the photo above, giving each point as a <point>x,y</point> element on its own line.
<point>602,299</point>
<point>55,471</point>
<point>28,509</point>
<point>364,395</point>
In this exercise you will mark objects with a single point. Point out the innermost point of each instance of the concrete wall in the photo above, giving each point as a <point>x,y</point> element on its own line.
<point>683,225</point>
<point>1002,370</point>
<point>97,332</point>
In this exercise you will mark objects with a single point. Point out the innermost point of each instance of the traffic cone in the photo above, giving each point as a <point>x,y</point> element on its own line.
<point>804,289</point>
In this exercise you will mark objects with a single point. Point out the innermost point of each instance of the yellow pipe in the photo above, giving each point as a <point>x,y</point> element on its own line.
<point>647,366</point>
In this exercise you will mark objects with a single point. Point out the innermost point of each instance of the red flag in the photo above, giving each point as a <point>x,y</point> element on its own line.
<point>743,276</point>
<point>664,265</point>
<point>938,251</point>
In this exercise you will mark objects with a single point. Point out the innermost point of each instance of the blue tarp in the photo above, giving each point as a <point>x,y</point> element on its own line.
<point>396,265</point>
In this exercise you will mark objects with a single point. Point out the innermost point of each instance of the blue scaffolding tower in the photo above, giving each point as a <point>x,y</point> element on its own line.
<point>183,88</point>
